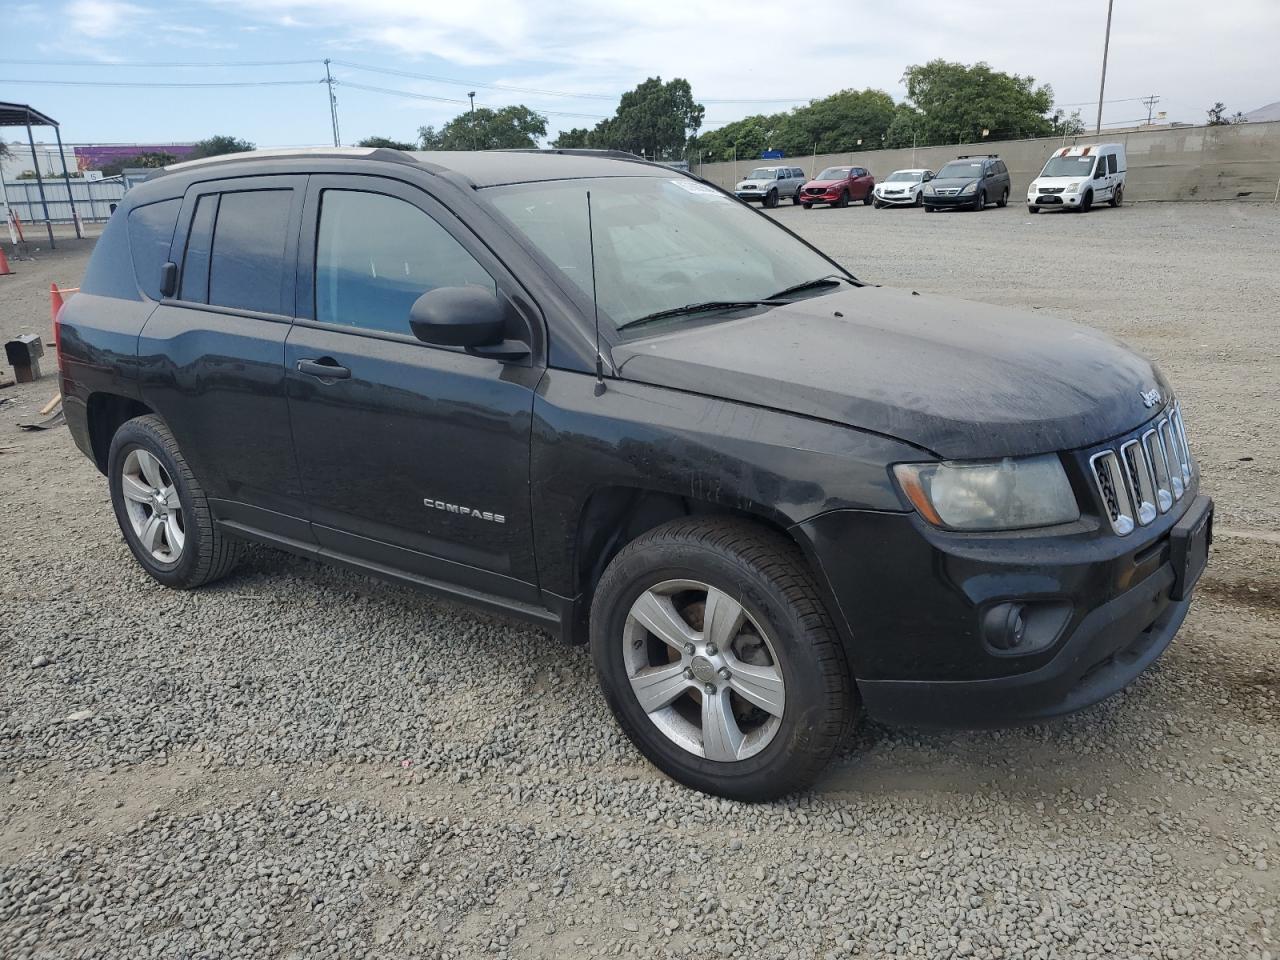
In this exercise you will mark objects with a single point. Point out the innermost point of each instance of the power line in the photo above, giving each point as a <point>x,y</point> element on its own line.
<point>154,63</point>
<point>164,83</point>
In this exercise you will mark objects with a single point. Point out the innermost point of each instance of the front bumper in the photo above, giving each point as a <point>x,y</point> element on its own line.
<point>749,195</point>
<point>955,200</point>
<point>913,600</point>
<point>1050,201</point>
<point>830,196</point>
<point>900,200</point>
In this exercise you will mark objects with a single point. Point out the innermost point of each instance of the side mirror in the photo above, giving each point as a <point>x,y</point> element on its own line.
<point>470,317</point>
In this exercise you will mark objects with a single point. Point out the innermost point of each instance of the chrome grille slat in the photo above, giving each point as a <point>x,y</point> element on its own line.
<point>1145,476</point>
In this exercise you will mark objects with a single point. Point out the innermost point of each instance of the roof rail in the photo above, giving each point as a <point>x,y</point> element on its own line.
<point>284,153</point>
<point>978,156</point>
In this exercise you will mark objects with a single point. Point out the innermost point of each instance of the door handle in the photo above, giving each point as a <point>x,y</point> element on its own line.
<point>326,368</point>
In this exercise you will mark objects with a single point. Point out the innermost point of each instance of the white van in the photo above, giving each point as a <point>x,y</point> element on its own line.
<point>1075,178</point>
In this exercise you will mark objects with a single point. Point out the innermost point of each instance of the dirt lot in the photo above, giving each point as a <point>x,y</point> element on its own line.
<point>300,762</point>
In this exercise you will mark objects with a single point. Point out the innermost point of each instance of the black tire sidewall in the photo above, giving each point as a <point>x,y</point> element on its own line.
<point>789,756</point>
<point>134,435</point>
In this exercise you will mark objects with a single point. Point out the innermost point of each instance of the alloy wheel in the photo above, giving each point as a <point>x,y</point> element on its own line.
<point>153,505</point>
<point>703,670</point>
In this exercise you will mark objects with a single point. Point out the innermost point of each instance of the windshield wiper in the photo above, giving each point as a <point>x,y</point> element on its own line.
<point>706,305</point>
<point>808,284</point>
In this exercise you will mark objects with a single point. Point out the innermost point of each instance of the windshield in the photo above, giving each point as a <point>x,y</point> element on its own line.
<point>961,170</point>
<point>833,173</point>
<point>763,173</point>
<point>1068,167</point>
<point>911,176</point>
<point>659,244</point>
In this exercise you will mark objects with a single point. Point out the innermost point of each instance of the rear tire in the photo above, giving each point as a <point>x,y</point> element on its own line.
<point>172,535</point>
<point>779,637</point>
<point>1004,199</point>
<point>1117,198</point>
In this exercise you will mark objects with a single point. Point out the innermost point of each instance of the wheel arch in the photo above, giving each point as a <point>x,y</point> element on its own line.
<point>106,413</point>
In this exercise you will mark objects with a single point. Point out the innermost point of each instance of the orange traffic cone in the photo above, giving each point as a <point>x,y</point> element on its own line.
<point>4,264</point>
<point>55,303</point>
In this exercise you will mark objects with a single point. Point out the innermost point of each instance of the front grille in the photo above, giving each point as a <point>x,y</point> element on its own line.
<point>1146,476</point>
<point>815,191</point>
<point>1052,189</point>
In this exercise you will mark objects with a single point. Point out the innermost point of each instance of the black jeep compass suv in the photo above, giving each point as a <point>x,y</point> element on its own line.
<point>766,494</point>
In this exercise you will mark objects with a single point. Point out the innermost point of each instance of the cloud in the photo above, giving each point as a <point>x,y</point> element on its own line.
<point>102,18</point>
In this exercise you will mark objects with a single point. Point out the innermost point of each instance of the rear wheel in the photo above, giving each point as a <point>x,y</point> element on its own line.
<point>795,197</point>
<point>719,660</point>
<point>1004,198</point>
<point>1117,197</point>
<point>162,509</point>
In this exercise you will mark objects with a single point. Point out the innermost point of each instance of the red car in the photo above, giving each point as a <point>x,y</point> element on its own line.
<point>838,186</point>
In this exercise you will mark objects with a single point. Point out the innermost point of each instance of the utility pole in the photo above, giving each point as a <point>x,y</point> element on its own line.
<point>1106,49</point>
<point>471,118</point>
<point>333,103</point>
<point>1150,103</point>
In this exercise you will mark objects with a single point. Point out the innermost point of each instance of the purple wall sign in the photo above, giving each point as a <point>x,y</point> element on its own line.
<point>95,157</point>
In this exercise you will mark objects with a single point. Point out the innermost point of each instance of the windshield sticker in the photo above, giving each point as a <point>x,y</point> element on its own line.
<point>693,186</point>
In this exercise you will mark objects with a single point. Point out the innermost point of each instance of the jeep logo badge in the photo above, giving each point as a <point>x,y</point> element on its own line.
<point>1150,397</point>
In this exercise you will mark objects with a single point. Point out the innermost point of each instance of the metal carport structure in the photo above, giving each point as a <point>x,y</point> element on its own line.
<point>22,115</point>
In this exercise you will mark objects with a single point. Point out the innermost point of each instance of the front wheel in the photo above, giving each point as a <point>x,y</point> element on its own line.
<point>980,201</point>
<point>807,206</point>
<point>1117,197</point>
<point>866,201</point>
<point>878,205</point>
<point>919,200</point>
<point>1086,202</point>
<point>162,509</point>
<point>843,201</point>
<point>771,199</point>
<point>1032,209</point>
<point>719,660</point>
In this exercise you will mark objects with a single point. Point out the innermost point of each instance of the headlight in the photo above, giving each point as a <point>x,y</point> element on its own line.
<point>969,188</point>
<point>928,188</point>
<point>1073,188</point>
<point>1003,494</point>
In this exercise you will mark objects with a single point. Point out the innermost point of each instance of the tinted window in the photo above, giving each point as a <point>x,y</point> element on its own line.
<point>150,234</point>
<point>195,262</point>
<point>1111,163</point>
<point>375,255</point>
<point>246,268</point>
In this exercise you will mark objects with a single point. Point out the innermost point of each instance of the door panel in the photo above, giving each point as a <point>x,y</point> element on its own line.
<point>418,458</point>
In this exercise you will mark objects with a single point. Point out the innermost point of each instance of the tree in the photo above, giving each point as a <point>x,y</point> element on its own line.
<point>655,119</point>
<point>957,102</point>
<point>509,128</point>
<point>1064,126</point>
<point>149,160</point>
<point>218,145</point>
<point>837,123</point>
<point>578,138</point>
<point>386,142</point>
<point>1218,117</point>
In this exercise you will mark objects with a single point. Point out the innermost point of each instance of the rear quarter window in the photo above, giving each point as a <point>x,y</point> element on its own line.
<point>150,235</point>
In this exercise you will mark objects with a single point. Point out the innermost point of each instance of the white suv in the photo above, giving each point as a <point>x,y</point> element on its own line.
<point>1075,178</point>
<point>771,184</point>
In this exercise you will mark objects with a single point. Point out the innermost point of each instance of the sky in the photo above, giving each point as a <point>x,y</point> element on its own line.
<point>742,58</point>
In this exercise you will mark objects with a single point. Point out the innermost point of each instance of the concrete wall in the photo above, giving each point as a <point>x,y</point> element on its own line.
<point>1182,163</point>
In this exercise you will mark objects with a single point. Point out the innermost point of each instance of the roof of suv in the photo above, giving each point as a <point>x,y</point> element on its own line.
<point>483,168</point>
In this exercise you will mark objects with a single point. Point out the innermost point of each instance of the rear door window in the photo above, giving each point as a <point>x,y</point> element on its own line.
<point>1112,166</point>
<point>150,236</point>
<point>246,264</point>
<point>195,262</point>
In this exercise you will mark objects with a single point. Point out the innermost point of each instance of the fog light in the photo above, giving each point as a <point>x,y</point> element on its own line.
<point>1004,626</point>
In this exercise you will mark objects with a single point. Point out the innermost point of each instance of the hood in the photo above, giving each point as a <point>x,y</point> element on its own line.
<point>1058,181</point>
<point>951,183</point>
<point>754,183</point>
<point>824,183</point>
<point>960,379</point>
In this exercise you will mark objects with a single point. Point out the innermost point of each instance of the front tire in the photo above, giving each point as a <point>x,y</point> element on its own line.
<point>980,201</point>
<point>162,509</point>
<point>771,199</point>
<point>844,200</point>
<point>1086,202</point>
<point>866,201</point>
<point>1032,209</point>
<point>719,660</point>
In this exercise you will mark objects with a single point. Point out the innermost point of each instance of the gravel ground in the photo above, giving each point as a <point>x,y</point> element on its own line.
<point>216,774</point>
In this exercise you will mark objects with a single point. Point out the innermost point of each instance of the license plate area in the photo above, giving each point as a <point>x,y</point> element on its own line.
<point>1189,543</point>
